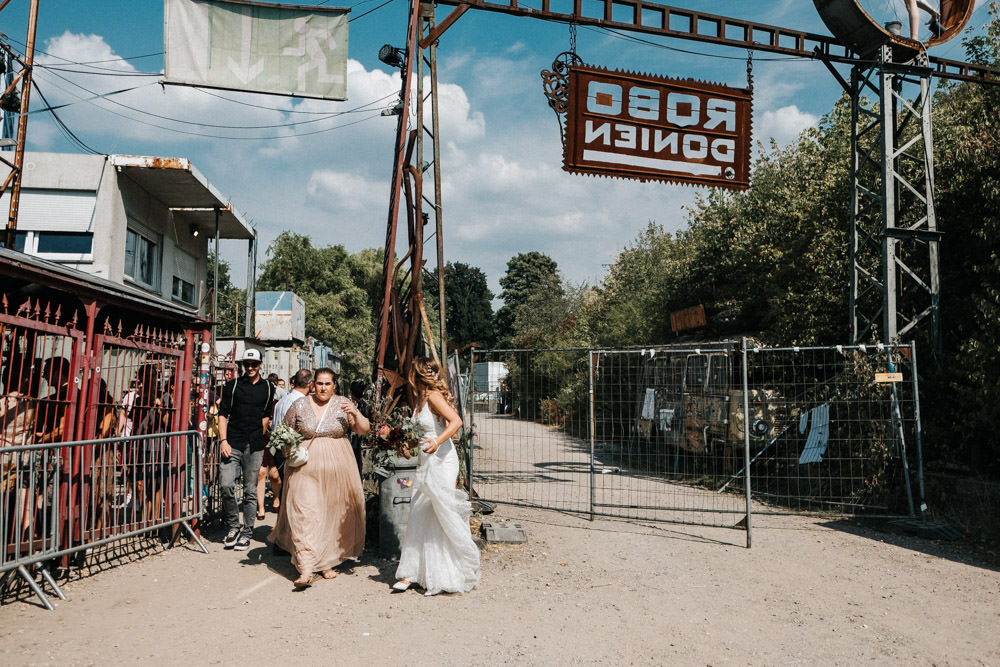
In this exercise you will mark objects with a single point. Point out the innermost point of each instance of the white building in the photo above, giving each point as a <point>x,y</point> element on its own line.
<point>139,221</point>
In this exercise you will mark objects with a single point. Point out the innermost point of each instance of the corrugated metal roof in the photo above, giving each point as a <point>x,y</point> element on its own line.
<point>40,270</point>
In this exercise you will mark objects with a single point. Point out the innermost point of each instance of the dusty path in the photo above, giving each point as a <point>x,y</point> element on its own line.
<point>578,593</point>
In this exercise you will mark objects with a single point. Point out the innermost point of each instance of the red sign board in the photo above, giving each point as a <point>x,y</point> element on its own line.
<point>657,128</point>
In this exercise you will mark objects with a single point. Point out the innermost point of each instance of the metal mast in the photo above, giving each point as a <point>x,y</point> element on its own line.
<point>895,273</point>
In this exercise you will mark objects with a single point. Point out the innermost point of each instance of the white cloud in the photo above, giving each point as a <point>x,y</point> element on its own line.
<point>344,191</point>
<point>783,125</point>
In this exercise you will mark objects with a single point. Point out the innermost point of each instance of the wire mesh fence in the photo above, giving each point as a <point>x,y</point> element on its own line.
<point>680,433</point>
<point>842,433</point>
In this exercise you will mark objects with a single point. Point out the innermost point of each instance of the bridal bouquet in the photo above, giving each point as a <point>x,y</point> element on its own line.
<point>285,438</point>
<point>395,431</point>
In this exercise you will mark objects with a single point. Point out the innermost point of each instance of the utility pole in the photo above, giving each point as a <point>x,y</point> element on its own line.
<point>23,78</point>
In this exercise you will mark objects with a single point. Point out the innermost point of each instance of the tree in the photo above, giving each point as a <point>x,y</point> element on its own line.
<point>231,299</point>
<point>338,311</point>
<point>527,274</point>
<point>966,384</point>
<point>468,304</point>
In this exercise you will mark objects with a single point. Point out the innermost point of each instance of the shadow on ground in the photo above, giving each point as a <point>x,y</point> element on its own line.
<point>906,536</point>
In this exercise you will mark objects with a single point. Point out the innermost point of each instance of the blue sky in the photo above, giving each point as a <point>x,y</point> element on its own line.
<point>504,189</point>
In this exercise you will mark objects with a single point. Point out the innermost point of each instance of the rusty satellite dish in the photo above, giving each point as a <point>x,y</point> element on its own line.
<point>861,24</point>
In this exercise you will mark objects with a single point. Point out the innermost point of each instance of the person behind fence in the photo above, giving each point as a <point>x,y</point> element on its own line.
<point>437,550</point>
<point>268,465</point>
<point>244,414</point>
<point>321,522</point>
<point>17,426</point>
<point>301,386</point>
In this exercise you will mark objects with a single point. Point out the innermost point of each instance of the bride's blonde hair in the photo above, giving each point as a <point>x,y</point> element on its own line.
<point>427,377</point>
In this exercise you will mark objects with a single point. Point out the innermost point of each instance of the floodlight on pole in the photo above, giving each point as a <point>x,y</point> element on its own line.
<point>392,56</point>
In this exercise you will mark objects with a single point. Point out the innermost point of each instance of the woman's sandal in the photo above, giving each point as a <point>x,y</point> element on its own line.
<point>329,574</point>
<point>401,585</point>
<point>305,581</point>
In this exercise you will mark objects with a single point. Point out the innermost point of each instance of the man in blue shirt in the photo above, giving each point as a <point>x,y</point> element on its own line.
<point>244,414</point>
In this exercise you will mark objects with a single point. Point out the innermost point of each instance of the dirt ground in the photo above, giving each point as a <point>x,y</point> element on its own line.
<point>578,592</point>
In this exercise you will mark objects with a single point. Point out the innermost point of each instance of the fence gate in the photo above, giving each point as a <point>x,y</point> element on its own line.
<point>679,433</point>
<point>150,369</point>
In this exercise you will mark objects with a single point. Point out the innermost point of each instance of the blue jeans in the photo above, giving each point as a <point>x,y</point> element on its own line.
<point>246,464</point>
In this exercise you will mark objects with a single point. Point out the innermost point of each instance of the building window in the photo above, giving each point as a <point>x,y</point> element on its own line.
<point>183,291</point>
<point>67,243</point>
<point>142,259</point>
<point>58,246</point>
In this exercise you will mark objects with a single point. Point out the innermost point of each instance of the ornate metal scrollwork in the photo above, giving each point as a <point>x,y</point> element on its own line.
<point>555,83</point>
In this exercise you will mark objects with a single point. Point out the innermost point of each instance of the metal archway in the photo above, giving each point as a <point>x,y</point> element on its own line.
<point>855,27</point>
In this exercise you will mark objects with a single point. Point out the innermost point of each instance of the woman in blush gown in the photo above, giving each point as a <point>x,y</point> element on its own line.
<point>321,520</point>
<point>437,553</point>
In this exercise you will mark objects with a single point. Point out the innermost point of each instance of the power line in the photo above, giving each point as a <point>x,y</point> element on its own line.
<point>359,109</point>
<point>77,141</point>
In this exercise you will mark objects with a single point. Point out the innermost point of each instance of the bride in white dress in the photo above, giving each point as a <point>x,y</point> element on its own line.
<point>438,553</point>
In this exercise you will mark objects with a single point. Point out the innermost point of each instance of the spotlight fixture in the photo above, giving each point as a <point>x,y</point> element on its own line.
<point>11,101</point>
<point>392,56</point>
<point>195,231</point>
<point>395,110</point>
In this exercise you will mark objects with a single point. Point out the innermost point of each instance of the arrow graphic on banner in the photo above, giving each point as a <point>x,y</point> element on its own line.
<point>243,70</point>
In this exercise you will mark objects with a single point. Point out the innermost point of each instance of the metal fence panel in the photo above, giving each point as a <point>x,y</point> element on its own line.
<point>832,432</point>
<point>61,499</point>
<point>666,433</point>
<point>527,405</point>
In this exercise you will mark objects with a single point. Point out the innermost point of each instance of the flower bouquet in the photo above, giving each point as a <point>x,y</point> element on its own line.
<point>395,432</point>
<point>287,439</point>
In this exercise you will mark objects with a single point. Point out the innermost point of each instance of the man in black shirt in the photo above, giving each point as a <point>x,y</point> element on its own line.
<point>244,413</point>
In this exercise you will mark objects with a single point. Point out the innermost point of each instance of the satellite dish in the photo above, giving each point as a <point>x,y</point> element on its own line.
<point>865,25</point>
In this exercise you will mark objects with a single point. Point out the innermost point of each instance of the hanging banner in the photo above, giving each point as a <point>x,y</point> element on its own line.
<point>258,47</point>
<point>656,128</point>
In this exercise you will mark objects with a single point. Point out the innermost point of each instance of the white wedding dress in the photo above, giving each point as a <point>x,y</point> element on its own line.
<point>438,552</point>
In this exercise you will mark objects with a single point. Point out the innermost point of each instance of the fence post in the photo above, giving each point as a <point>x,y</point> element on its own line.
<point>472,418</point>
<point>593,427</point>
<point>746,441</point>
<point>918,432</point>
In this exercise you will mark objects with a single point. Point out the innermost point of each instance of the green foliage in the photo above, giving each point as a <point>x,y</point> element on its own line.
<point>965,387</point>
<point>527,274</point>
<point>771,260</point>
<point>231,300</point>
<point>337,289</point>
<point>468,309</point>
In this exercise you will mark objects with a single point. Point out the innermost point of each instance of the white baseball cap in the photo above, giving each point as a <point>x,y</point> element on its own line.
<point>251,355</point>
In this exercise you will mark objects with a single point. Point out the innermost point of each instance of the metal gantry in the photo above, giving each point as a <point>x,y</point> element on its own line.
<point>895,273</point>
<point>895,284</point>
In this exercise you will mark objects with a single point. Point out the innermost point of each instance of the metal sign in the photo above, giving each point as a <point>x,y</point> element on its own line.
<point>256,46</point>
<point>657,128</point>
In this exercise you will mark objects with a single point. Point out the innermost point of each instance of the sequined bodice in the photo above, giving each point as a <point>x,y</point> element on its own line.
<point>303,416</point>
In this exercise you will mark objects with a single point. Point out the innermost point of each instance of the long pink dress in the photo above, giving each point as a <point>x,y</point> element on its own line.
<point>321,521</point>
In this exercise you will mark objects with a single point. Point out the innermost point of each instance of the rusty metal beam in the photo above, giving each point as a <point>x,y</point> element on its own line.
<point>666,21</point>
<point>448,21</point>
<point>382,333</point>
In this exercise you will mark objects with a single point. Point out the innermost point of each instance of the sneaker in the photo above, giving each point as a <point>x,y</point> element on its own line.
<point>231,538</point>
<point>242,544</point>
<point>937,28</point>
